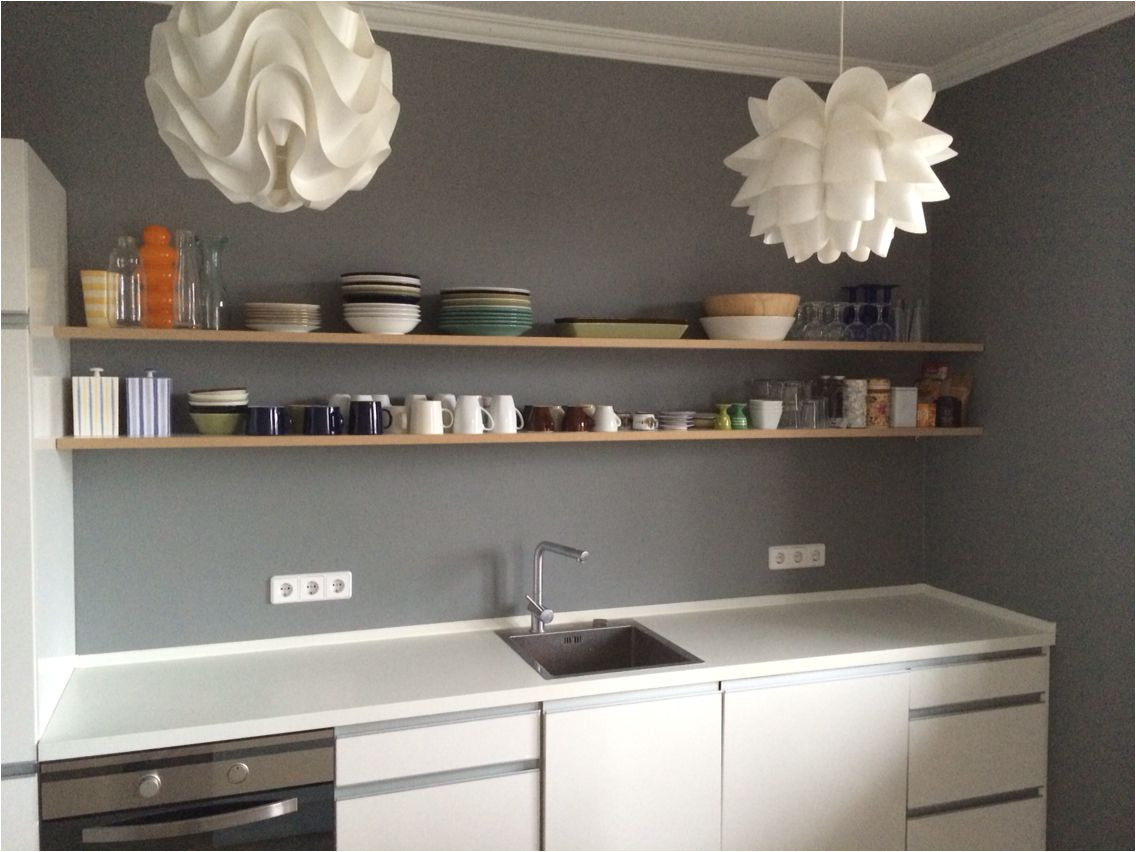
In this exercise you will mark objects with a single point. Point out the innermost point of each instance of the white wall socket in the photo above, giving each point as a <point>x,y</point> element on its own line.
<point>301,588</point>
<point>796,556</point>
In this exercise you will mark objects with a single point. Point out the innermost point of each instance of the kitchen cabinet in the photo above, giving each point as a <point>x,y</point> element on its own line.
<point>37,630</point>
<point>978,754</point>
<point>459,781</point>
<point>815,762</point>
<point>639,770</point>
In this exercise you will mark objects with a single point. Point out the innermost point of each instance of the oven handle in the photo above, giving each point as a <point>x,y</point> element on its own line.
<point>186,827</point>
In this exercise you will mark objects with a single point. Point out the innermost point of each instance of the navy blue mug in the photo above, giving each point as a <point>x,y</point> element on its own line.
<point>322,420</point>
<point>267,420</point>
<point>365,417</point>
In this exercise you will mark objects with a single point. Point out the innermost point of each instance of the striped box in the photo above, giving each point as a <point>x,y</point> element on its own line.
<point>94,405</point>
<point>148,406</point>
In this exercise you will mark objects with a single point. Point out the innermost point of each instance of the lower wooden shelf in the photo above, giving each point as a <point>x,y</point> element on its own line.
<point>188,442</point>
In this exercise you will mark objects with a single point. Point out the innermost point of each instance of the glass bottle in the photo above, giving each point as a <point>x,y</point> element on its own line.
<point>189,301</point>
<point>124,284</point>
<point>216,307</point>
<point>159,260</point>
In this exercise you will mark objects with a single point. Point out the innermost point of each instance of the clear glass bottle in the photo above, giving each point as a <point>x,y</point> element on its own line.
<point>216,307</point>
<point>189,298</point>
<point>125,278</point>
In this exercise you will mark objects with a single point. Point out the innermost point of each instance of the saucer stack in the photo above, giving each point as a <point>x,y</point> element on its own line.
<point>676,421</point>
<point>703,420</point>
<point>281,316</point>
<point>381,303</point>
<point>504,311</point>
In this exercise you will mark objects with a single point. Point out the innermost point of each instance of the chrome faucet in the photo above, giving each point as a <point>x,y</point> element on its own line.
<point>542,615</point>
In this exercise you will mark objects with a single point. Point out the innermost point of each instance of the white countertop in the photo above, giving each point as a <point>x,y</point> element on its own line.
<point>141,700</point>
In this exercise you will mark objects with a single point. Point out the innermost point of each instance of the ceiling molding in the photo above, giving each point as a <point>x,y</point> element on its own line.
<point>452,22</point>
<point>1066,24</point>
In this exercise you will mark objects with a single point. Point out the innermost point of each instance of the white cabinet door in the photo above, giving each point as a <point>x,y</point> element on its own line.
<point>19,813</point>
<point>642,775</point>
<point>489,813</point>
<point>820,765</point>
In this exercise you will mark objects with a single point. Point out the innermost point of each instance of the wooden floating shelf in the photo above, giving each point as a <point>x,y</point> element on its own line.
<point>186,442</point>
<point>323,338</point>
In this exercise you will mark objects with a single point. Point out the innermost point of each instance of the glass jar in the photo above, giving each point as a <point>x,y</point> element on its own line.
<point>216,309</point>
<point>189,297</point>
<point>125,284</point>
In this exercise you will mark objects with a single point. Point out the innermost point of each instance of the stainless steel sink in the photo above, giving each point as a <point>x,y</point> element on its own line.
<point>601,646</point>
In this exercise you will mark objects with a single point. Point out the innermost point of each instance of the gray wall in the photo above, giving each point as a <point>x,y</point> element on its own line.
<point>1034,254</point>
<point>597,184</point>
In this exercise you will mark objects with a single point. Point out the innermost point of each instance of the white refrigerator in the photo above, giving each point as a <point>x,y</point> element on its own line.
<point>37,586</point>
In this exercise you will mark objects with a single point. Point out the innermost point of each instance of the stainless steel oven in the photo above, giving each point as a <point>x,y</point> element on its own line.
<point>263,793</point>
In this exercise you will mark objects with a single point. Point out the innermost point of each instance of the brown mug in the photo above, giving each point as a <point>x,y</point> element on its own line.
<point>540,418</point>
<point>576,419</point>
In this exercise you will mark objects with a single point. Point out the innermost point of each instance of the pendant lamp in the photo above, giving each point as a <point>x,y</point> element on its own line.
<point>282,105</point>
<point>840,175</point>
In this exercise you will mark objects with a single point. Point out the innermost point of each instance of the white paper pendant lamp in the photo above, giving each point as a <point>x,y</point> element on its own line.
<point>839,176</point>
<point>281,105</point>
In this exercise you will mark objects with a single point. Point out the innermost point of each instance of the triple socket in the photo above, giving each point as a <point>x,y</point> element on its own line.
<point>796,556</point>
<point>300,588</point>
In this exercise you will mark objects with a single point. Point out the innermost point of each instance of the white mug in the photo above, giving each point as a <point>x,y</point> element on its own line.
<point>382,399</point>
<point>449,402</point>
<point>399,420</point>
<point>507,418</point>
<point>644,422</point>
<point>427,417</point>
<point>470,418</point>
<point>606,420</point>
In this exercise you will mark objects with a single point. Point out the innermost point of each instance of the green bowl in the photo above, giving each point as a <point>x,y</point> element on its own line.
<point>218,424</point>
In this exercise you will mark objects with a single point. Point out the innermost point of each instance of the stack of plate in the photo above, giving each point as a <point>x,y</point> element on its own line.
<point>505,311</point>
<point>703,420</point>
<point>675,421</point>
<point>381,303</point>
<point>281,316</point>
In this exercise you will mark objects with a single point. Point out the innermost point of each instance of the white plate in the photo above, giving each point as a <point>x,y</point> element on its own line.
<point>400,289</point>
<point>285,305</point>
<point>382,325</point>
<point>379,278</point>
<point>488,291</point>
<point>281,326</point>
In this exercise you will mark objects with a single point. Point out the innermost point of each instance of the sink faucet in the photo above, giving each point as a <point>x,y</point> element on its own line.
<point>541,615</point>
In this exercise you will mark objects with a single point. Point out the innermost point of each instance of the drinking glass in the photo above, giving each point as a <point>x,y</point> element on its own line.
<point>856,330</point>
<point>879,330</point>
<point>813,414</point>
<point>814,321</point>
<point>791,395</point>
<point>834,322</point>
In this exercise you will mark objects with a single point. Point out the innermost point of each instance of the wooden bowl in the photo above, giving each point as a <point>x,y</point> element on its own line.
<point>751,304</point>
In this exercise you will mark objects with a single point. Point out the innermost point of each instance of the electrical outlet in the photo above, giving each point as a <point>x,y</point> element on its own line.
<point>337,586</point>
<point>284,589</point>
<point>312,587</point>
<point>796,556</point>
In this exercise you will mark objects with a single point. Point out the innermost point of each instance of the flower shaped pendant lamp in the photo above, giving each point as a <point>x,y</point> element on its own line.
<point>839,176</point>
<point>282,105</point>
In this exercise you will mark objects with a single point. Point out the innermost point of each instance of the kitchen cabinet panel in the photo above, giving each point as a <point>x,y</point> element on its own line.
<point>963,756</point>
<point>19,813</point>
<point>1010,825</point>
<point>640,775</point>
<point>816,765</point>
<point>979,681</point>
<point>489,813</point>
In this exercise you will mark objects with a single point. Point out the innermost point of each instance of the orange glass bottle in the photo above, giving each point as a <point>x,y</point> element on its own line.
<point>159,259</point>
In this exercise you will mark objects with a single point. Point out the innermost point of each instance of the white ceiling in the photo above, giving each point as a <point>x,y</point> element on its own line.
<point>953,41</point>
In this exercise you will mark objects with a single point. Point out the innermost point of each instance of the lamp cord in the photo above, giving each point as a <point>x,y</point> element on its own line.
<point>841,37</point>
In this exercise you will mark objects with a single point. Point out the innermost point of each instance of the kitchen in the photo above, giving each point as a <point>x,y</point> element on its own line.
<point>624,209</point>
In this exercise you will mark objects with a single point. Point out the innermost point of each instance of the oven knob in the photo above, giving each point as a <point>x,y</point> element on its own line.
<point>149,786</point>
<point>238,772</point>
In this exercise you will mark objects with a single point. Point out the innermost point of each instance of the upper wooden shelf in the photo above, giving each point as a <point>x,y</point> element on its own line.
<point>186,442</point>
<point>180,335</point>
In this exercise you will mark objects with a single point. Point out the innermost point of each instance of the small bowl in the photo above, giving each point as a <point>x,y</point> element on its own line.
<point>229,423</point>
<point>382,325</point>
<point>751,304</point>
<point>218,408</point>
<point>747,328</point>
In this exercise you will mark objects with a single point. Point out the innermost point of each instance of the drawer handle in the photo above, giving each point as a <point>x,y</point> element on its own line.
<point>188,827</point>
<point>979,705</point>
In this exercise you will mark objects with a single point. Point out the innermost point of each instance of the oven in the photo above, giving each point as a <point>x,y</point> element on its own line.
<point>262,793</point>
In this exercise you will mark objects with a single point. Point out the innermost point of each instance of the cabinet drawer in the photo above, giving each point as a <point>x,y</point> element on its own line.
<point>436,748</point>
<point>968,755</point>
<point>492,813</point>
<point>957,684</point>
<point>1010,825</point>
